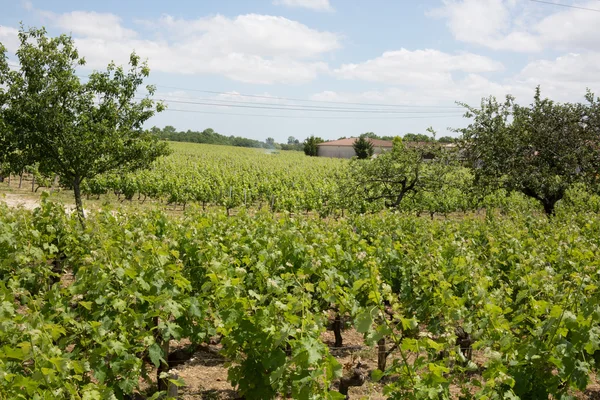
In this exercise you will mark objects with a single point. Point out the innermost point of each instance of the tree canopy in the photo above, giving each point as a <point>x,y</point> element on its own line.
<point>310,145</point>
<point>416,137</point>
<point>69,128</point>
<point>540,150</point>
<point>363,147</point>
<point>395,174</point>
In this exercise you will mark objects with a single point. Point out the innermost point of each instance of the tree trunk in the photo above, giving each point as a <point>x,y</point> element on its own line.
<point>20,179</point>
<point>358,378</point>
<point>337,330</point>
<point>381,354</point>
<point>78,202</point>
<point>163,384</point>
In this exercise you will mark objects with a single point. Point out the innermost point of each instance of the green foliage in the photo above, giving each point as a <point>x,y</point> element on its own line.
<point>524,288</point>
<point>541,150</point>
<point>416,137</point>
<point>447,139</point>
<point>73,129</point>
<point>310,145</point>
<point>395,174</point>
<point>371,135</point>
<point>363,148</point>
<point>207,136</point>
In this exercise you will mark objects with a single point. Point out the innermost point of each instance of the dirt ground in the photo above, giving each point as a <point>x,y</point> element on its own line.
<point>18,200</point>
<point>206,375</point>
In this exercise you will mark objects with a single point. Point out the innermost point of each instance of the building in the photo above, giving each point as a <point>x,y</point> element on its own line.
<point>343,148</point>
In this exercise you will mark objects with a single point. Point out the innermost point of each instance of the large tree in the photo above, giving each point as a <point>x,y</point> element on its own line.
<point>540,150</point>
<point>71,128</point>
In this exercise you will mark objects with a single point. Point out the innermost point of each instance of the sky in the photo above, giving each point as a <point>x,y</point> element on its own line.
<point>330,68</point>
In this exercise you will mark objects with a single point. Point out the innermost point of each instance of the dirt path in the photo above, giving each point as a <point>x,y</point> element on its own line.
<point>16,200</point>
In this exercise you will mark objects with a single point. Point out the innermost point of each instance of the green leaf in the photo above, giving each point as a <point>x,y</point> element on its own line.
<point>363,321</point>
<point>376,375</point>
<point>155,353</point>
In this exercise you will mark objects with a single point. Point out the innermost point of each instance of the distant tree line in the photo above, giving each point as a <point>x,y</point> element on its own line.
<point>209,136</point>
<point>408,137</point>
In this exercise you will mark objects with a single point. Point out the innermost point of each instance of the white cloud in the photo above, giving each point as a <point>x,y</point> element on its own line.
<point>564,78</point>
<point>520,25</point>
<point>9,38</point>
<point>249,48</point>
<point>317,5</point>
<point>98,25</point>
<point>486,23</point>
<point>405,67</point>
<point>470,89</point>
<point>571,29</point>
<point>263,35</point>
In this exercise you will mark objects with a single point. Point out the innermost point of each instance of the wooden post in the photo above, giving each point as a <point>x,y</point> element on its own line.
<point>337,330</point>
<point>381,354</point>
<point>172,388</point>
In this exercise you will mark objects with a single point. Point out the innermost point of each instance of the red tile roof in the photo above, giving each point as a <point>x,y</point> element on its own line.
<point>350,142</point>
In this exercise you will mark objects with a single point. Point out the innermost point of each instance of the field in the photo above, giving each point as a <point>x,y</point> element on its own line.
<point>236,272</point>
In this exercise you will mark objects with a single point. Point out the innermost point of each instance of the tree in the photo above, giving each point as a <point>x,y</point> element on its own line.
<point>446,139</point>
<point>540,150</point>
<point>363,148</point>
<point>73,129</point>
<point>395,174</point>
<point>310,145</point>
<point>369,135</point>
<point>416,137</point>
<point>292,140</point>
<point>270,142</point>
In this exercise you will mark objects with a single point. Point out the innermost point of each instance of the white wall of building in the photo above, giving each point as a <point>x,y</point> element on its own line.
<point>341,151</point>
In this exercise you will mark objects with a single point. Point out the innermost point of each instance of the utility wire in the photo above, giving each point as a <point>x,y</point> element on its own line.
<point>303,100</point>
<point>565,5</point>
<point>229,101</point>
<point>293,99</point>
<point>311,117</point>
<point>298,108</point>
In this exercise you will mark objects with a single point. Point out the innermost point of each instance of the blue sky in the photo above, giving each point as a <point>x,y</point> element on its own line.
<point>412,58</point>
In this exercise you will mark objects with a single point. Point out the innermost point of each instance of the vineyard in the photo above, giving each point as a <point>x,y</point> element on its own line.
<point>428,271</point>
<point>478,306</point>
<point>230,178</point>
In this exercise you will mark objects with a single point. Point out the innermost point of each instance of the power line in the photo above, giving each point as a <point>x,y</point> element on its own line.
<point>298,108</point>
<point>565,5</point>
<point>296,99</point>
<point>229,101</point>
<point>311,117</point>
<point>303,100</point>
